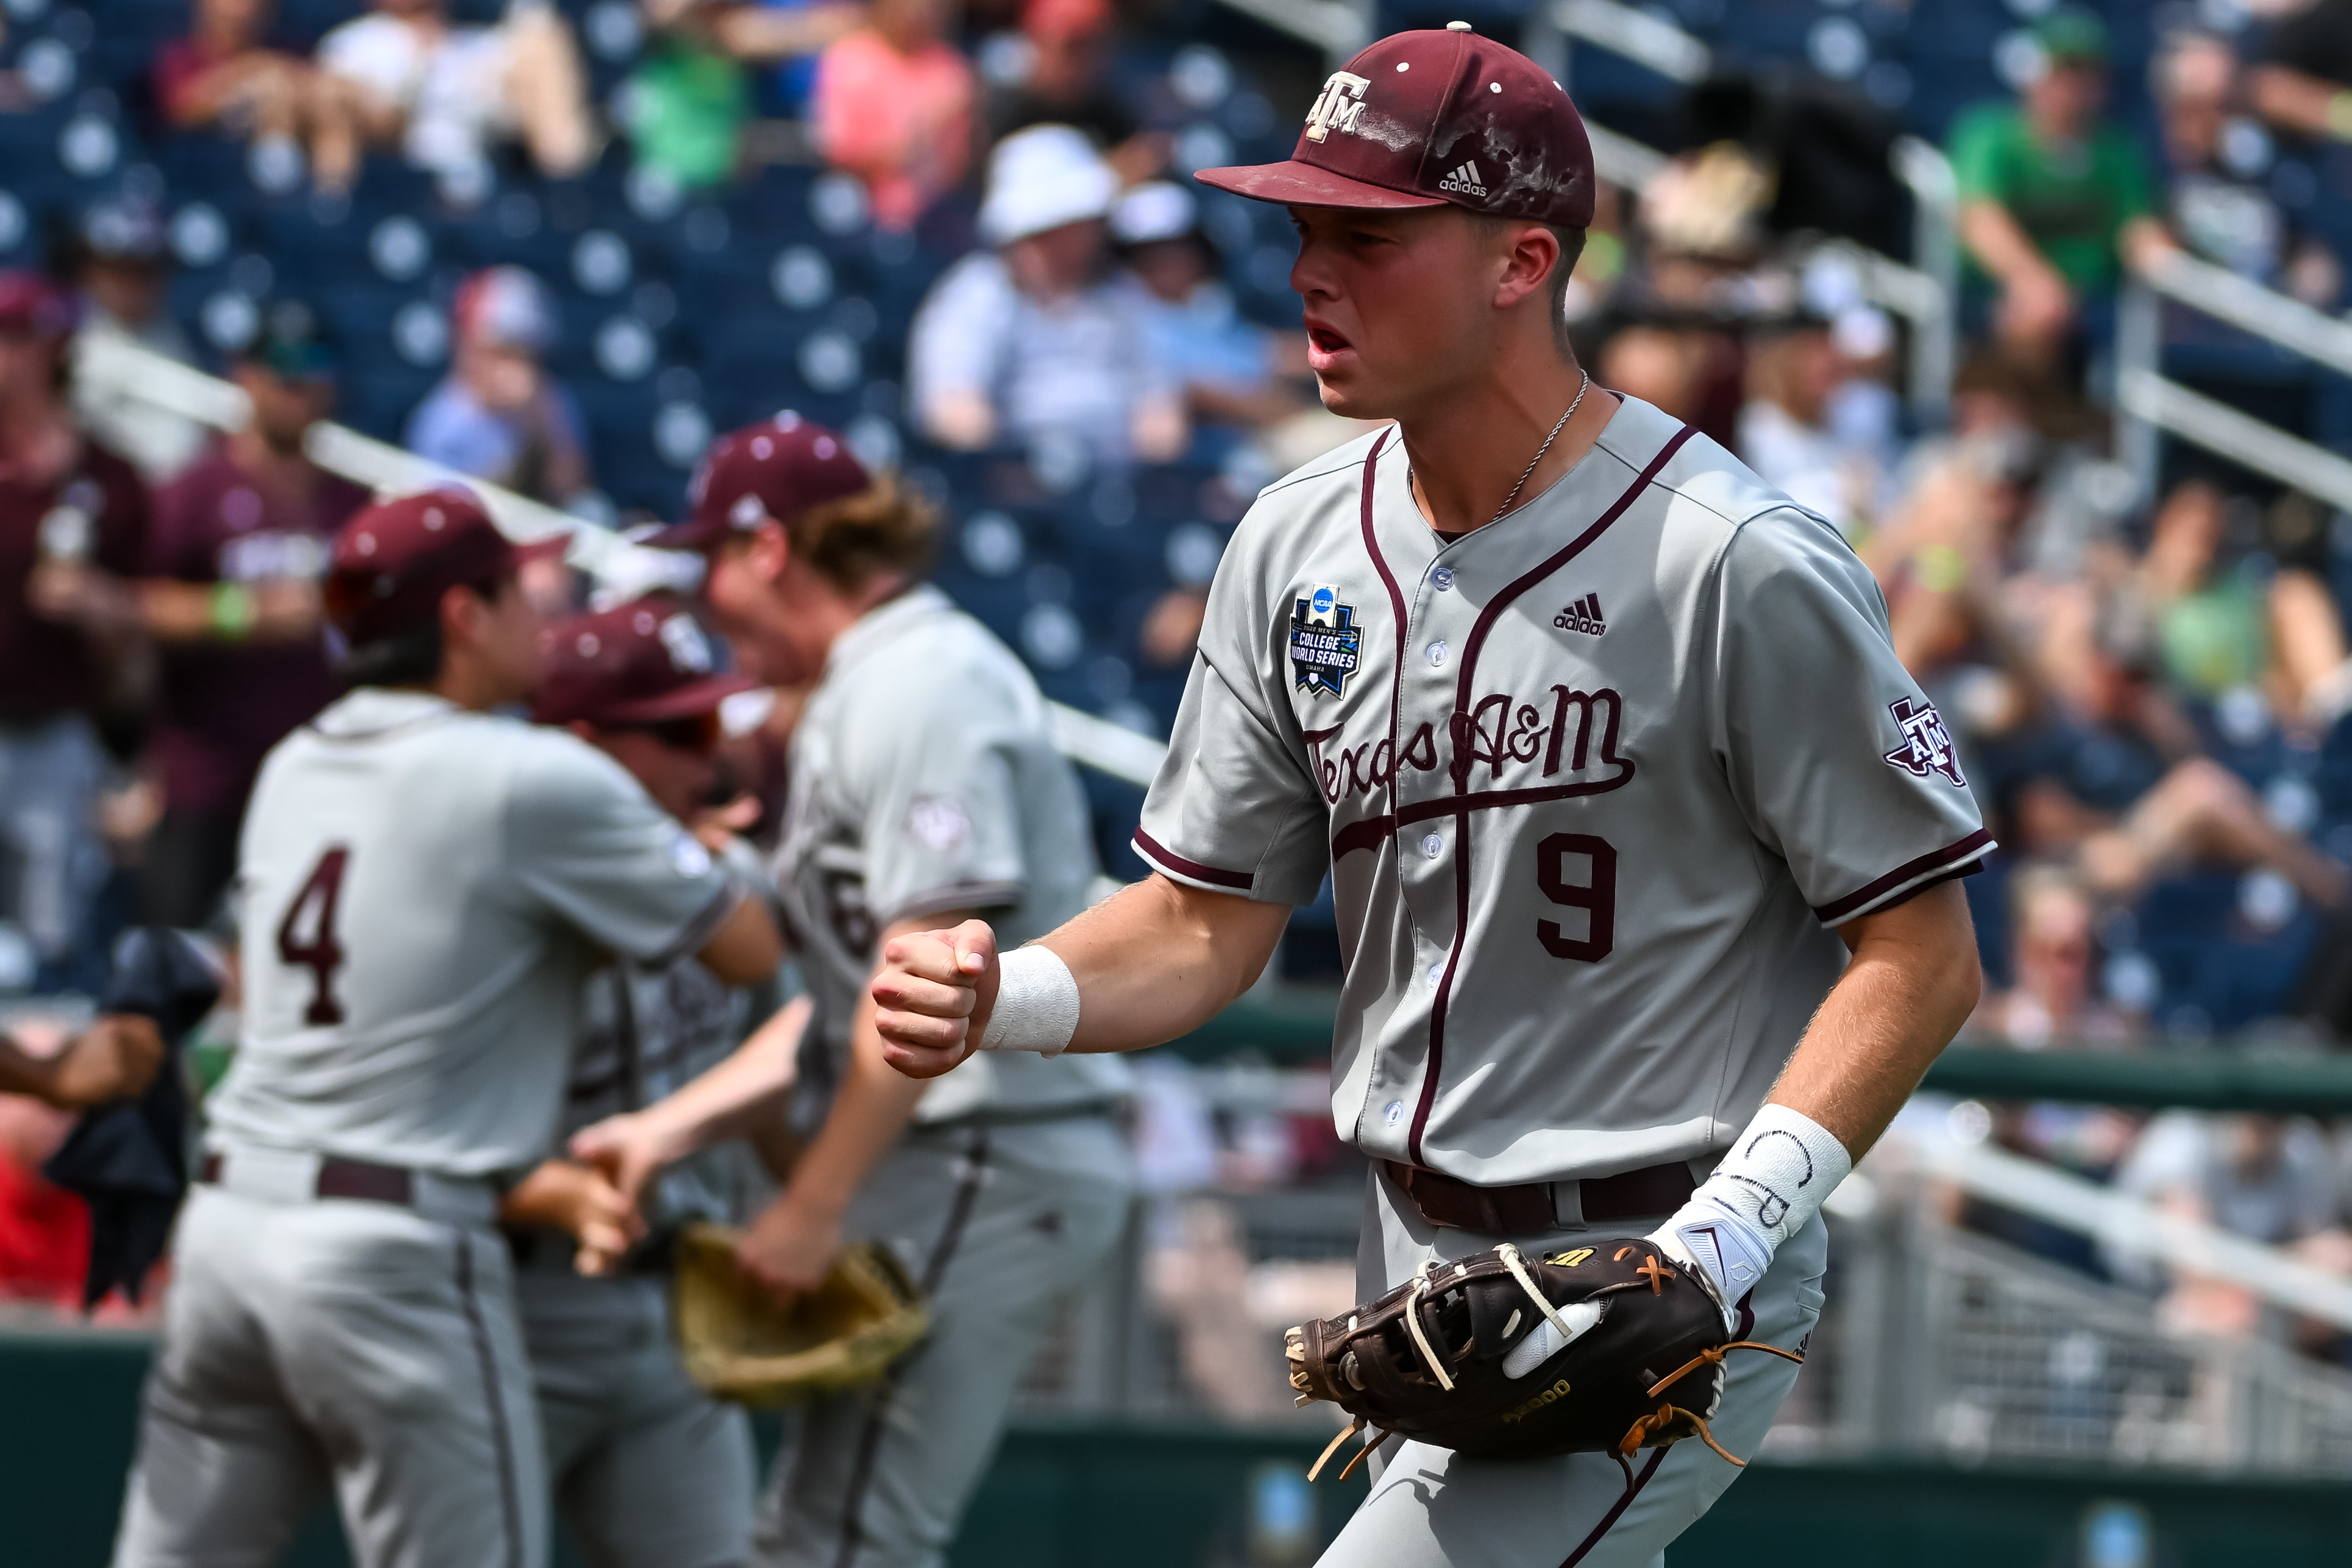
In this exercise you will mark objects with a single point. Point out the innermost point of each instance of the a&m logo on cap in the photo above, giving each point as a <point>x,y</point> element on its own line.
<point>1339,108</point>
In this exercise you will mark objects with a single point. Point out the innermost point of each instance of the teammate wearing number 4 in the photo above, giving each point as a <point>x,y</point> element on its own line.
<point>1648,913</point>
<point>425,884</point>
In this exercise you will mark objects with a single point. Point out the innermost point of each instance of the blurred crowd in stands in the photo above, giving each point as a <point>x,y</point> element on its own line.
<point>985,208</point>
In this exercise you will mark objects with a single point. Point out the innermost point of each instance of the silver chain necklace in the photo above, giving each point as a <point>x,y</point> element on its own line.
<point>1583,387</point>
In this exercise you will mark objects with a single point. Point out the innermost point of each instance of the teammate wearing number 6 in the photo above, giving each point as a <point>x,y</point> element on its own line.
<point>424,885</point>
<point>1641,836</point>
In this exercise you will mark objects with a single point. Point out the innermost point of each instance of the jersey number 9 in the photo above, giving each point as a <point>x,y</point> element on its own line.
<point>318,951</point>
<point>1597,896</point>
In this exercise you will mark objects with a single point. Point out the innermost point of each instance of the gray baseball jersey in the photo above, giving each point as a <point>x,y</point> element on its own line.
<point>924,780</point>
<point>424,891</point>
<point>1594,784</point>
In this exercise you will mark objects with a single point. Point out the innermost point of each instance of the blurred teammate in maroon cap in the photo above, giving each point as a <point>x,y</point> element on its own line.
<point>426,887</point>
<point>925,784</point>
<point>72,512</point>
<point>427,591</point>
<point>802,541</point>
<point>647,1469</point>
<point>641,683</point>
<point>1767,950</point>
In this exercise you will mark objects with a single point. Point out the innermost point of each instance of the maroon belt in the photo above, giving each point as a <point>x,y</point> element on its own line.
<point>1529,1208</point>
<point>343,1178</point>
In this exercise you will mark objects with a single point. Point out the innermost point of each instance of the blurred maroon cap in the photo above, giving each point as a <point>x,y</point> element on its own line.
<point>777,468</point>
<point>27,299</point>
<point>642,663</point>
<point>1423,118</point>
<point>393,561</point>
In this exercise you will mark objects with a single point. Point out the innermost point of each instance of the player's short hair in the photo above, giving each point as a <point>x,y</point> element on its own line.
<point>1571,246</point>
<point>409,658</point>
<point>887,527</point>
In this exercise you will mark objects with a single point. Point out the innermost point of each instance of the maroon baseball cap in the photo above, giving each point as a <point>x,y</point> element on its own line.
<point>392,563</point>
<point>777,468</point>
<point>31,301</point>
<point>643,663</point>
<point>1424,118</point>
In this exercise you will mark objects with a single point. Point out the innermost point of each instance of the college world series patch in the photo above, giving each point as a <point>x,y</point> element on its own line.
<point>1326,643</point>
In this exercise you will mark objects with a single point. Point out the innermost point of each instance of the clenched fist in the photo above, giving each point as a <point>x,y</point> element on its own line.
<point>933,995</point>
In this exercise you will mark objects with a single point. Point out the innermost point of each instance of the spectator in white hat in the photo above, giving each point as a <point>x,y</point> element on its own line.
<point>497,416</point>
<point>1031,338</point>
<point>1233,372</point>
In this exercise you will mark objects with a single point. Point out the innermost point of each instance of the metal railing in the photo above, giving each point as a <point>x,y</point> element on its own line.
<point>2152,405</point>
<point>1942,1342</point>
<point>619,567</point>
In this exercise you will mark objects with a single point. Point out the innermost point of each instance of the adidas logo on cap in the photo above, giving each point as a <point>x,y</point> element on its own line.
<point>1465,181</point>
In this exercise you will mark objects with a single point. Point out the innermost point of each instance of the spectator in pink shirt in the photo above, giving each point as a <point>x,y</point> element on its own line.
<point>894,106</point>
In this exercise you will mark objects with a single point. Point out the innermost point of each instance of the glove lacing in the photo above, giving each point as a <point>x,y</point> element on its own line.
<point>1665,1416</point>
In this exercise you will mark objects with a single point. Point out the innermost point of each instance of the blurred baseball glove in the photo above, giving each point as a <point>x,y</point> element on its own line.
<point>1611,1347</point>
<point>740,1344</point>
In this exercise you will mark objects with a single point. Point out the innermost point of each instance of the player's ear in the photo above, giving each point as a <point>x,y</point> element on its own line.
<point>769,551</point>
<point>1530,252</point>
<point>461,611</point>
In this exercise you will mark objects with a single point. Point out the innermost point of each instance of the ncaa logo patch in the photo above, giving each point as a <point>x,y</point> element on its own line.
<point>1326,644</point>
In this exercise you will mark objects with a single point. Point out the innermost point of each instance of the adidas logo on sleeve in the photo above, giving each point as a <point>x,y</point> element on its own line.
<point>1465,181</point>
<point>1584,616</point>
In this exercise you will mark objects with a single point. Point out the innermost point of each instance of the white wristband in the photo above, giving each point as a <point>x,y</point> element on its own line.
<point>1765,1191</point>
<point>1778,1171</point>
<point>1037,1003</point>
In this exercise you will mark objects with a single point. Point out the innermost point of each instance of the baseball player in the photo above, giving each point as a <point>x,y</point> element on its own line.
<point>649,1472</point>
<point>1637,827</point>
<point>924,785</point>
<point>424,884</point>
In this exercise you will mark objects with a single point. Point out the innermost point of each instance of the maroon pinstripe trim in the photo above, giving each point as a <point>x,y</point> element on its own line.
<point>870,1439</point>
<point>1558,559</point>
<point>1950,855</point>
<point>1616,1509</point>
<point>1396,602</point>
<point>1152,850</point>
<point>486,1361</point>
<point>1460,804</point>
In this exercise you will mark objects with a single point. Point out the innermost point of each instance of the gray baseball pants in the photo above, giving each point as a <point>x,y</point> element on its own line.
<point>319,1342</point>
<point>999,1224</point>
<point>1431,1508</point>
<point>650,1471</point>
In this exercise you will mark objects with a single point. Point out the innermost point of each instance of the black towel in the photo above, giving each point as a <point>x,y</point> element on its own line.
<point>128,1159</point>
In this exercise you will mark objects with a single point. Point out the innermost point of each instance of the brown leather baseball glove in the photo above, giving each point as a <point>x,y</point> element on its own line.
<point>740,1344</point>
<point>1610,1347</point>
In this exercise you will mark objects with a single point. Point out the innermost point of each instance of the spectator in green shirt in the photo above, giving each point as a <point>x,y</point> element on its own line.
<point>2054,199</point>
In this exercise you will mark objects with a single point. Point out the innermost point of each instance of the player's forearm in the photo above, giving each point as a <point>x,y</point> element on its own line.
<point>1911,984</point>
<point>870,1111</point>
<point>1160,959</point>
<point>744,1089</point>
